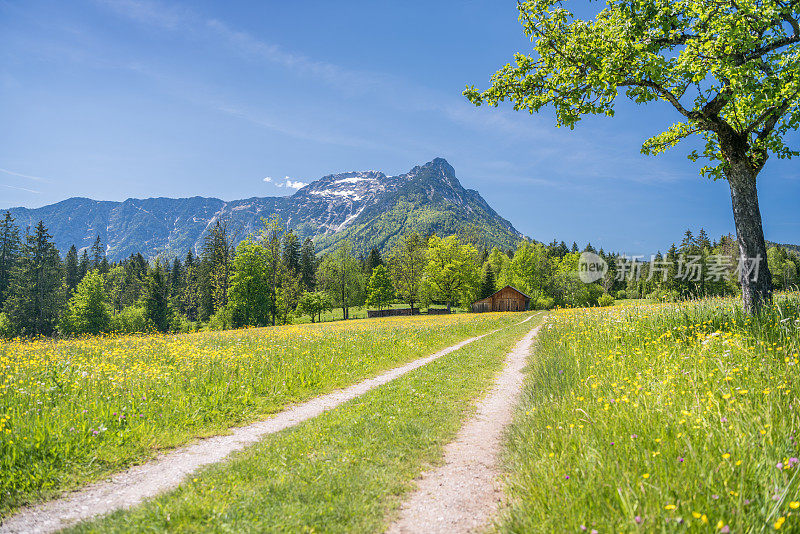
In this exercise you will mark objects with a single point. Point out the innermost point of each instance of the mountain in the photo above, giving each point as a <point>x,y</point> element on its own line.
<point>369,208</point>
<point>791,248</point>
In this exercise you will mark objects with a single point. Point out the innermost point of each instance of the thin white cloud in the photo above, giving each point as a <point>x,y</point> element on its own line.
<point>21,188</point>
<point>394,91</point>
<point>268,179</point>
<point>28,176</point>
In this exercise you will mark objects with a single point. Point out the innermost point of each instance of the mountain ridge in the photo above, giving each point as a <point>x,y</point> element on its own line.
<point>367,207</point>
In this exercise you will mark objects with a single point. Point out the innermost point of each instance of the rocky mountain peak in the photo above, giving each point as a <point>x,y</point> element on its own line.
<point>367,207</point>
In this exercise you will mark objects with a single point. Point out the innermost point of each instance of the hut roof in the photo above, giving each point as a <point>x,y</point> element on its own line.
<point>504,288</point>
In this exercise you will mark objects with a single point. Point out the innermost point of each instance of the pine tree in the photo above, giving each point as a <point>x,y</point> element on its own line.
<point>35,298</point>
<point>10,245</point>
<point>176,278</point>
<point>488,284</point>
<point>672,261</point>
<point>702,239</point>
<point>98,253</point>
<point>190,295</point>
<point>217,255</point>
<point>574,247</point>
<point>373,260</point>
<point>71,269</point>
<point>291,252</point>
<point>688,243</point>
<point>84,265</point>
<point>156,300</point>
<point>308,265</point>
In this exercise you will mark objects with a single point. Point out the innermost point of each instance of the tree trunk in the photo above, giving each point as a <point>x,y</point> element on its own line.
<point>757,284</point>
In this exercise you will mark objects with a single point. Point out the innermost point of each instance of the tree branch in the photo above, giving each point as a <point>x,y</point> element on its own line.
<point>771,118</point>
<point>664,93</point>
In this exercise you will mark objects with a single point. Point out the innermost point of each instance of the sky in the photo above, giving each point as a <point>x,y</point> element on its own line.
<point>113,99</point>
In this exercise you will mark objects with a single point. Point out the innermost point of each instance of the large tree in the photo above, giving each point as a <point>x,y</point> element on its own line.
<point>730,69</point>
<point>250,297</point>
<point>270,238</point>
<point>35,297</point>
<point>308,265</point>
<point>156,298</point>
<point>98,253</point>
<point>10,245</point>
<point>339,275</point>
<point>406,261</point>
<point>71,269</point>
<point>87,311</point>
<point>379,288</point>
<point>452,272</point>
<point>531,270</point>
<point>291,252</point>
<point>217,255</point>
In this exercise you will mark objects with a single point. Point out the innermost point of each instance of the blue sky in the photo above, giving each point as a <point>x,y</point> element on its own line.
<point>124,98</point>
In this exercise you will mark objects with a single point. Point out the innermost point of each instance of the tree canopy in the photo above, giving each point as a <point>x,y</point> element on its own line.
<point>729,68</point>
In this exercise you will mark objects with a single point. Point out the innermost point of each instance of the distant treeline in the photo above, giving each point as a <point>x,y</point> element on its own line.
<point>272,278</point>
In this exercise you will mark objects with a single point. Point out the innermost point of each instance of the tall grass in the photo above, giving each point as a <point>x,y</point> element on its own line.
<point>73,410</point>
<point>663,417</point>
<point>344,471</point>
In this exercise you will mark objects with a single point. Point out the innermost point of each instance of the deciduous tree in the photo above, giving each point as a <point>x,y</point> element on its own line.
<point>729,69</point>
<point>339,275</point>
<point>406,261</point>
<point>379,288</point>
<point>87,310</point>
<point>250,296</point>
<point>452,271</point>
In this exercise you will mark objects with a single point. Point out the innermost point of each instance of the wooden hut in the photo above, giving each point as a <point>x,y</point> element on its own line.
<point>507,299</point>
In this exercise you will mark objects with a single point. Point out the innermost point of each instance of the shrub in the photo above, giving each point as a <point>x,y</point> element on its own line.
<point>6,329</point>
<point>543,303</point>
<point>179,324</point>
<point>605,300</point>
<point>87,311</point>
<point>222,320</point>
<point>314,304</point>
<point>132,320</point>
<point>588,295</point>
<point>622,294</point>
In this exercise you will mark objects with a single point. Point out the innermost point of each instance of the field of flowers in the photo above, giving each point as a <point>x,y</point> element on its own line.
<point>74,410</point>
<point>346,471</point>
<point>660,417</point>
